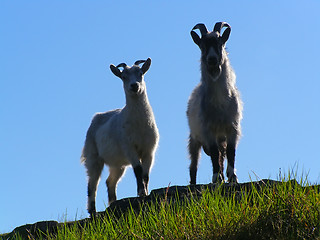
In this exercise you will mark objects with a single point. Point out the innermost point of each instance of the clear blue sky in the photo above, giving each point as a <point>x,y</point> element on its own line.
<point>54,75</point>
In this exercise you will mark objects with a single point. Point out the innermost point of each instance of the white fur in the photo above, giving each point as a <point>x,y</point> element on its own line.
<point>122,137</point>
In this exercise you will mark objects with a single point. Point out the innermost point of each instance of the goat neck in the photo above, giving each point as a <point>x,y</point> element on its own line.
<point>217,91</point>
<point>138,104</point>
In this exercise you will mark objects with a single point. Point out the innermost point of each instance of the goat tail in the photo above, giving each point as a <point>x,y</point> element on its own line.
<point>89,149</point>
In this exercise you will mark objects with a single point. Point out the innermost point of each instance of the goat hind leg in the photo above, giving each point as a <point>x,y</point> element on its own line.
<point>94,168</point>
<point>194,151</point>
<point>114,176</point>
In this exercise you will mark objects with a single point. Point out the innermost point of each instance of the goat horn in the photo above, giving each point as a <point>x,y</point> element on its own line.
<point>219,25</point>
<point>202,28</point>
<point>121,65</point>
<point>139,61</point>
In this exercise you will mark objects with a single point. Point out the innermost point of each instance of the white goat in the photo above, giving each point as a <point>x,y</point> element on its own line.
<point>122,137</point>
<point>214,108</point>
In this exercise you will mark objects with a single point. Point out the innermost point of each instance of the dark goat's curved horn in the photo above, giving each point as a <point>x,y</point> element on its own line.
<point>219,25</point>
<point>202,28</point>
<point>121,65</point>
<point>139,61</point>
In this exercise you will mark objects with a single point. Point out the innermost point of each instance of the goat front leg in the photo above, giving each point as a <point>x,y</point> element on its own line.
<point>217,176</point>
<point>147,162</point>
<point>138,171</point>
<point>231,153</point>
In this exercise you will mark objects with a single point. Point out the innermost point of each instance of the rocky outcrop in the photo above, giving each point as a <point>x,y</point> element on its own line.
<point>120,207</point>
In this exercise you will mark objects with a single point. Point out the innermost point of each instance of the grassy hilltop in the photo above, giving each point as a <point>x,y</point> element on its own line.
<point>256,210</point>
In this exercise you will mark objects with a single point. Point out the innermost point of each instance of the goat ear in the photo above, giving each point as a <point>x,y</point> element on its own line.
<point>225,35</point>
<point>195,38</point>
<point>145,67</point>
<point>115,70</point>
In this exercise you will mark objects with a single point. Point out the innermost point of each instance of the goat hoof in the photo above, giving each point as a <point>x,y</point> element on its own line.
<point>233,179</point>
<point>92,214</point>
<point>142,193</point>
<point>217,178</point>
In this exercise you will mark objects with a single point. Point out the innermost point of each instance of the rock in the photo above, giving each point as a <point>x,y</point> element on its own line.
<point>120,207</point>
<point>34,230</point>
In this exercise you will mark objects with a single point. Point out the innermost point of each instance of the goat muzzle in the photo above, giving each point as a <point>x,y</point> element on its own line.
<point>134,87</point>
<point>212,62</point>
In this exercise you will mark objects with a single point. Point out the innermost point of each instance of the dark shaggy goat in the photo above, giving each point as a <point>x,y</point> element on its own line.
<point>214,108</point>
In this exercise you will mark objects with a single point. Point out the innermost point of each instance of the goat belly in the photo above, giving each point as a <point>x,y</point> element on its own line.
<point>112,155</point>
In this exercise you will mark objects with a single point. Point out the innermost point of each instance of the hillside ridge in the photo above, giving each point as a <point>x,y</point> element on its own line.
<point>121,206</point>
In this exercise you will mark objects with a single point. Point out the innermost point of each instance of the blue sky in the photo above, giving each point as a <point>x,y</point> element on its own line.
<point>55,75</point>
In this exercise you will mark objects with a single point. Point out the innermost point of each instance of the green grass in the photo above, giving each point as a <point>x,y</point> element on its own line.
<point>285,211</point>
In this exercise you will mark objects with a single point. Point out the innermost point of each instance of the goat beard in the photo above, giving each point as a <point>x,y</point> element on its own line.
<point>214,71</point>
